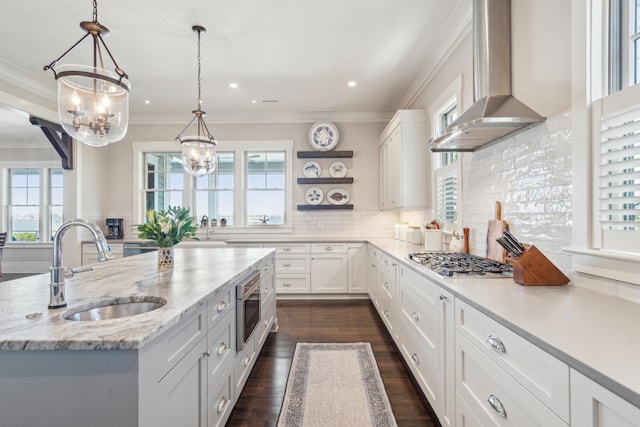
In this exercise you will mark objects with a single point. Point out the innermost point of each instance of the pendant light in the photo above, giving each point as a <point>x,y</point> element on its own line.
<point>199,150</point>
<point>93,103</point>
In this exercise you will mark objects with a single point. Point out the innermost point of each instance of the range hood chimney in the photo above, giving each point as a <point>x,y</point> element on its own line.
<point>495,112</point>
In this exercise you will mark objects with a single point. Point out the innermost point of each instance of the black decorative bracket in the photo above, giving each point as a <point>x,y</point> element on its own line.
<point>62,142</point>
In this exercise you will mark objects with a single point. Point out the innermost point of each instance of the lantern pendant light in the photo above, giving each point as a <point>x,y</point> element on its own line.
<point>93,103</point>
<point>199,150</point>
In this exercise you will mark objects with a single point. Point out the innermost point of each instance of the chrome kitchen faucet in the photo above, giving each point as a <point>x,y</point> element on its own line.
<point>59,273</point>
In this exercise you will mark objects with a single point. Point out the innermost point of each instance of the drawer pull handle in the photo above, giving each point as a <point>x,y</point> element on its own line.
<point>221,348</point>
<point>394,265</point>
<point>415,358</point>
<point>247,360</point>
<point>496,343</point>
<point>386,313</point>
<point>386,285</point>
<point>287,283</point>
<point>266,267</point>
<point>415,316</point>
<point>208,353</point>
<point>287,264</point>
<point>222,404</point>
<point>286,249</point>
<point>386,262</point>
<point>496,405</point>
<point>328,248</point>
<point>443,297</point>
<point>221,306</point>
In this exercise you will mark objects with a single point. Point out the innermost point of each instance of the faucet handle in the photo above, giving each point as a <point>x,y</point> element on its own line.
<point>70,272</point>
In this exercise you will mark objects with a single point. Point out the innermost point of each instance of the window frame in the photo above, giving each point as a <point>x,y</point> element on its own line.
<point>445,164</point>
<point>44,206</point>
<point>590,83</point>
<point>239,148</point>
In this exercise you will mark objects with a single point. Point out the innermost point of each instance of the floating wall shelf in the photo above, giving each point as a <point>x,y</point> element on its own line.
<point>325,154</point>
<point>325,180</point>
<point>323,207</point>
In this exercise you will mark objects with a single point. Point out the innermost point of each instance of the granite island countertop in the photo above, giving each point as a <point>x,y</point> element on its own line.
<point>26,323</point>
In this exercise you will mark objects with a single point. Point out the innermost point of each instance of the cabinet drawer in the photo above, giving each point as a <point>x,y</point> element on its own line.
<point>422,319</point>
<point>388,284</point>
<point>323,248</point>
<point>289,248</point>
<point>220,350</point>
<point>220,401</point>
<point>388,264</point>
<point>374,254</point>
<point>541,374</point>
<point>385,308</point>
<point>423,288</point>
<point>267,317</point>
<point>421,362</point>
<point>266,265</point>
<point>243,363</point>
<point>170,347</point>
<point>493,396</point>
<point>221,304</point>
<point>293,284</point>
<point>293,263</point>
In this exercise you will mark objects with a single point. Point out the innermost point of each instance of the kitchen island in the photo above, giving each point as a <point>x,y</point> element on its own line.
<point>138,370</point>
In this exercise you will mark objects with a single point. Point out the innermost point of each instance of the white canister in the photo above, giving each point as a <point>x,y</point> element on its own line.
<point>414,235</point>
<point>433,240</point>
<point>397,230</point>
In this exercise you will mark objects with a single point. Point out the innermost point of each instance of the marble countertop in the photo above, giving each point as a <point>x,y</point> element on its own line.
<point>199,273</point>
<point>596,334</point>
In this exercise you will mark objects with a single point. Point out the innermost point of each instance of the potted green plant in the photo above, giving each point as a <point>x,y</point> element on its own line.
<point>166,229</point>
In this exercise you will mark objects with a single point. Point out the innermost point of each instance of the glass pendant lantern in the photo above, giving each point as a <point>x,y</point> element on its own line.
<point>93,103</point>
<point>198,149</point>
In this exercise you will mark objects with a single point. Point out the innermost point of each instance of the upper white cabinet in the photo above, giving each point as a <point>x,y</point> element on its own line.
<point>404,162</point>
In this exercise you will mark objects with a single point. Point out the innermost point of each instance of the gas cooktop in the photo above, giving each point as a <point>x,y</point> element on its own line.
<point>459,265</point>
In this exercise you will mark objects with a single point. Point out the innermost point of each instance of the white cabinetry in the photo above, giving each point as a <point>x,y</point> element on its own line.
<point>329,273</point>
<point>292,268</point>
<point>594,406</point>
<point>90,253</point>
<point>404,162</point>
<point>503,379</point>
<point>386,293</point>
<point>373,274</point>
<point>426,342</point>
<point>357,268</point>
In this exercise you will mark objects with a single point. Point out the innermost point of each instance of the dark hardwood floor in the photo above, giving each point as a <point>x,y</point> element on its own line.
<point>326,321</point>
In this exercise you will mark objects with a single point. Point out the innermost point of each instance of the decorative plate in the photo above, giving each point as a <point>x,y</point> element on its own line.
<point>337,169</point>
<point>311,169</point>
<point>323,136</point>
<point>314,196</point>
<point>338,196</point>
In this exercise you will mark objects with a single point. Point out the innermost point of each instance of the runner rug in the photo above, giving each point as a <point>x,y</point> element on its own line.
<point>336,385</point>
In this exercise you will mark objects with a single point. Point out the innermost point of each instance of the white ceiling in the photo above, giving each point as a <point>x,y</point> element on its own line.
<point>301,53</point>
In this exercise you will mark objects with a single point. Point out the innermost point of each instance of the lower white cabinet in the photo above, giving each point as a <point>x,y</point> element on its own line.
<point>357,268</point>
<point>329,271</point>
<point>594,406</point>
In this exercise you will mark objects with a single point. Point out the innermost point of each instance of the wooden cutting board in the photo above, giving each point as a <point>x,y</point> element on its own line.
<point>494,230</point>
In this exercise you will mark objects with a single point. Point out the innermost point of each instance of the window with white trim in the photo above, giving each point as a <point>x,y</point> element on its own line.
<point>447,166</point>
<point>250,187</point>
<point>35,203</point>
<point>624,44</point>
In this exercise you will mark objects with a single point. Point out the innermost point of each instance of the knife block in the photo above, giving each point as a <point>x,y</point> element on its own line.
<point>533,268</point>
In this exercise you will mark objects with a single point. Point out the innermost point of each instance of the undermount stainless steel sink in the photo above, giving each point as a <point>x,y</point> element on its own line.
<point>114,308</point>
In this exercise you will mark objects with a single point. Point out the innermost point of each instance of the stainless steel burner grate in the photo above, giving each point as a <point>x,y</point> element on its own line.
<point>452,264</point>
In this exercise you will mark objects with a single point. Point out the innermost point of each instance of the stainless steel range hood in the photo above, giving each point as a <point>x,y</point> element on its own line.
<point>495,113</point>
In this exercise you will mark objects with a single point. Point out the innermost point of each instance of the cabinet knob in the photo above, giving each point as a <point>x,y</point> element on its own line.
<point>443,297</point>
<point>221,348</point>
<point>496,343</point>
<point>496,405</point>
<point>386,313</point>
<point>266,267</point>
<point>286,249</point>
<point>208,353</point>
<point>328,248</point>
<point>221,306</point>
<point>415,316</point>
<point>247,360</point>
<point>415,358</point>
<point>222,404</point>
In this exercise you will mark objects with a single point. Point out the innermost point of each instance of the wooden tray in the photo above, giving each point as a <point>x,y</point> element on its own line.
<point>533,268</point>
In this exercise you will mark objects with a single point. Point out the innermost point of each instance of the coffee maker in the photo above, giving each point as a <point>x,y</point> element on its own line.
<point>114,228</point>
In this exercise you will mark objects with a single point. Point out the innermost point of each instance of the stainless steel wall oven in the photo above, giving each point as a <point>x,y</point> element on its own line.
<point>247,309</point>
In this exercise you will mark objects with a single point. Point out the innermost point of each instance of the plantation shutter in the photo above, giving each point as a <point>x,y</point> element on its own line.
<point>617,160</point>
<point>447,194</point>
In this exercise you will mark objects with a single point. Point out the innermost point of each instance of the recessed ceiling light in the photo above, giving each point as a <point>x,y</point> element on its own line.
<point>253,101</point>
<point>147,102</point>
<point>352,83</point>
<point>233,85</point>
